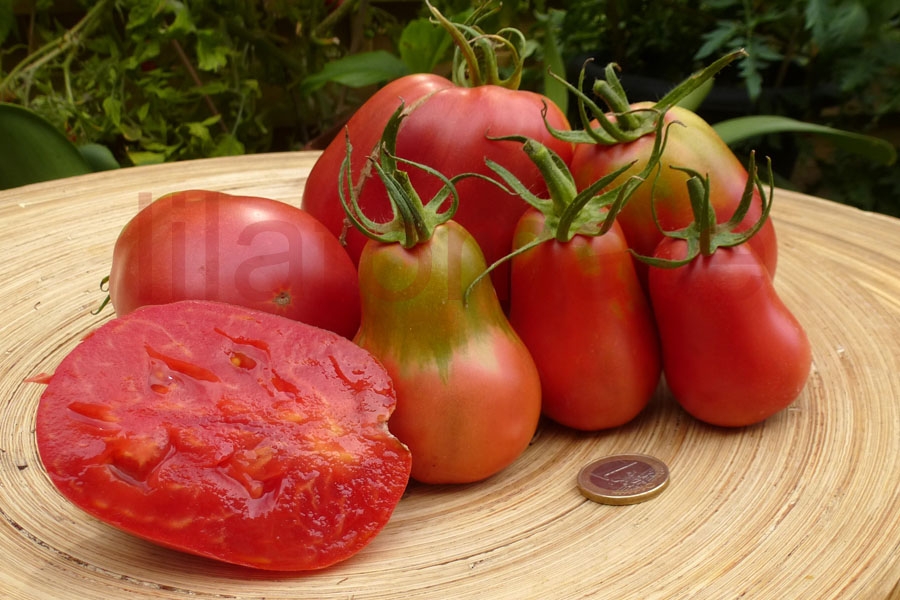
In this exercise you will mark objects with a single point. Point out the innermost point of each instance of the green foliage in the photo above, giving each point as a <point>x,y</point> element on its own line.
<point>851,44</point>
<point>164,80</point>
<point>647,37</point>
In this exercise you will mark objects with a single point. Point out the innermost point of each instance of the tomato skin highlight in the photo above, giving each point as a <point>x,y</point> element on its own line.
<point>587,322</point>
<point>733,354</point>
<point>226,432</point>
<point>447,128</point>
<point>250,251</point>
<point>692,143</point>
<point>468,392</point>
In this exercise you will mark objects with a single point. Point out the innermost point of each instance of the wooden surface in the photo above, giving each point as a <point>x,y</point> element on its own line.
<point>804,506</point>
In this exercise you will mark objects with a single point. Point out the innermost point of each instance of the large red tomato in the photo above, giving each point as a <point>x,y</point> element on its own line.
<point>226,432</point>
<point>449,128</point>
<point>250,251</point>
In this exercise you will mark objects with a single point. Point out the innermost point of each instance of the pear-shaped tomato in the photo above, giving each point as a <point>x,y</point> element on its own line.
<point>733,353</point>
<point>576,300</point>
<point>468,392</point>
<point>585,318</point>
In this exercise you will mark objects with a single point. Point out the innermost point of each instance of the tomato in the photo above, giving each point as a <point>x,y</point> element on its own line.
<point>733,354</point>
<point>575,299</point>
<point>468,392</point>
<point>226,432</point>
<point>626,136</point>
<point>254,252</point>
<point>693,143</point>
<point>449,128</point>
<point>582,313</point>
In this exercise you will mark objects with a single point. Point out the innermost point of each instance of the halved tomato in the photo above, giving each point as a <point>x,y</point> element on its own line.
<point>226,432</point>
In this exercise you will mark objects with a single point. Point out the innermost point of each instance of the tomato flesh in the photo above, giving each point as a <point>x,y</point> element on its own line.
<point>228,433</point>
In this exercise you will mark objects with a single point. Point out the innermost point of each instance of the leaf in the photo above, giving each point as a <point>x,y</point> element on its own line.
<point>422,45</point>
<point>740,128</point>
<point>816,15</point>
<point>693,100</point>
<point>848,24</point>
<point>228,145</point>
<point>147,158</point>
<point>553,60</point>
<point>212,55</point>
<point>198,130</point>
<point>112,108</point>
<point>99,157</point>
<point>716,39</point>
<point>33,150</point>
<point>183,23</point>
<point>762,51</point>
<point>357,70</point>
<point>139,13</point>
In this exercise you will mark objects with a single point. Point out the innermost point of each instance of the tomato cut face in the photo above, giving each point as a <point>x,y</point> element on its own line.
<point>228,433</point>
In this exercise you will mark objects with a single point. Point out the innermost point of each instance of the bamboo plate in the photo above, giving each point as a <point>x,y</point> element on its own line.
<point>805,505</point>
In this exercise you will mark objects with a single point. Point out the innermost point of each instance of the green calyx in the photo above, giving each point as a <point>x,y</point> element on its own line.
<point>704,235</point>
<point>627,123</point>
<point>569,212</point>
<point>413,221</point>
<point>475,57</point>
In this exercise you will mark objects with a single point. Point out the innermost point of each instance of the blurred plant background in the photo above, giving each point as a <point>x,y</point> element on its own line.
<point>167,80</point>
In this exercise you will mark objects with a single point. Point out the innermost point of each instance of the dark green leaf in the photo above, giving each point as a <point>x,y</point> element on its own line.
<point>848,24</point>
<point>99,157</point>
<point>423,45</point>
<point>716,39</point>
<point>228,145</point>
<point>33,150</point>
<point>873,148</point>
<point>358,70</point>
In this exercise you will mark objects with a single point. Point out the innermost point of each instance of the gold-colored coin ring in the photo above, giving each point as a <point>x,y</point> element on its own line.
<point>623,479</point>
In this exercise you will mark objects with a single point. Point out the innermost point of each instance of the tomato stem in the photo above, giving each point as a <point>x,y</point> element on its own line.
<point>468,70</point>
<point>627,123</point>
<point>413,222</point>
<point>104,287</point>
<point>704,235</point>
<point>569,212</point>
